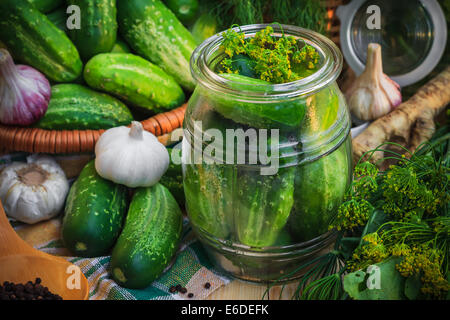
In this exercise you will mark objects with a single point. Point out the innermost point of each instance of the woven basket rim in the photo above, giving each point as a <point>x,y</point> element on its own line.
<point>36,140</point>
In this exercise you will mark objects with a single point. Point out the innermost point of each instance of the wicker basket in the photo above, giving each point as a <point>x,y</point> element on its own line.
<point>81,141</point>
<point>78,141</point>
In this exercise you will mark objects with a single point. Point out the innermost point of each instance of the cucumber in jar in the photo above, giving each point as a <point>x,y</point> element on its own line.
<point>275,114</point>
<point>209,189</point>
<point>320,185</point>
<point>264,203</point>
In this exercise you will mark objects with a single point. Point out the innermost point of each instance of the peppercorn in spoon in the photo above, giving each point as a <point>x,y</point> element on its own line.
<point>21,263</point>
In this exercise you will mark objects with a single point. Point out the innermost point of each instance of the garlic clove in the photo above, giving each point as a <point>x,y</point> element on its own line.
<point>373,94</point>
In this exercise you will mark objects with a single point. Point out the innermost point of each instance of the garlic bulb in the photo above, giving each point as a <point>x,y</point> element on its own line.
<point>33,191</point>
<point>24,92</point>
<point>373,94</point>
<point>131,156</point>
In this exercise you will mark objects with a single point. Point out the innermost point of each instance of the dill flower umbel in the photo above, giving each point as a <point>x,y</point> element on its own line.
<point>273,59</point>
<point>371,252</point>
<point>424,261</point>
<point>352,214</point>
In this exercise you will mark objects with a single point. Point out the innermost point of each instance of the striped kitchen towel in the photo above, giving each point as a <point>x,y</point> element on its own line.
<point>190,268</point>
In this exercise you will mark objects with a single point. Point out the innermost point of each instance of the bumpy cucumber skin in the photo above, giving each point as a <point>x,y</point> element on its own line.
<point>98,27</point>
<point>149,239</point>
<point>155,33</point>
<point>204,27</point>
<point>94,214</point>
<point>209,190</point>
<point>75,107</point>
<point>134,80</point>
<point>34,40</point>
<point>277,114</point>
<point>264,203</point>
<point>46,6</point>
<point>173,178</point>
<point>320,187</point>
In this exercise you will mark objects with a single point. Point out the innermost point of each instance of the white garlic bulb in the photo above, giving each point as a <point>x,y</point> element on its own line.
<point>131,156</point>
<point>373,94</point>
<point>33,191</point>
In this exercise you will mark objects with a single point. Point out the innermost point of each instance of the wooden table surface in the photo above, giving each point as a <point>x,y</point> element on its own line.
<point>239,290</point>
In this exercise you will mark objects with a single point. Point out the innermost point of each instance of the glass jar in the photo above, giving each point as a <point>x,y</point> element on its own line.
<point>265,166</point>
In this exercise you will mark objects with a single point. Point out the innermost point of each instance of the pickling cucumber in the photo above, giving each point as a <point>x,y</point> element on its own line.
<point>173,178</point>
<point>204,27</point>
<point>34,40</point>
<point>134,80</point>
<point>98,27</point>
<point>320,187</point>
<point>210,189</point>
<point>120,47</point>
<point>263,205</point>
<point>149,238</point>
<point>46,6</point>
<point>184,10</point>
<point>94,214</point>
<point>273,114</point>
<point>59,18</point>
<point>76,107</point>
<point>156,34</point>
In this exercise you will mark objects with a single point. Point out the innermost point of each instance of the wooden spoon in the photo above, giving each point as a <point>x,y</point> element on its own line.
<point>20,263</point>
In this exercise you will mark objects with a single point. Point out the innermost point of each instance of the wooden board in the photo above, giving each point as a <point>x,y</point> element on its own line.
<point>239,290</point>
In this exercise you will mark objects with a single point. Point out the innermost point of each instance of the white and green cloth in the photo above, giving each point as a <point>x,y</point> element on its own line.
<point>190,269</point>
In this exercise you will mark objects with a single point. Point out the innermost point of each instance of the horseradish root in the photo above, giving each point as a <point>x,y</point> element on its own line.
<point>411,123</point>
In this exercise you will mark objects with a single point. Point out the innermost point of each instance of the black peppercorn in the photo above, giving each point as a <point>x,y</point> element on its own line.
<point>27,291</point>
<point>190,295</point>
<point>172,289</point>
<point>207,285</point>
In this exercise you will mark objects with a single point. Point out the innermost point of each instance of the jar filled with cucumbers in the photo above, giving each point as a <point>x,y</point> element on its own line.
<point>266,150</point>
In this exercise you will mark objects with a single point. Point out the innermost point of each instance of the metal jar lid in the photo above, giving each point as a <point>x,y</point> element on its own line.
<point>412,34</point>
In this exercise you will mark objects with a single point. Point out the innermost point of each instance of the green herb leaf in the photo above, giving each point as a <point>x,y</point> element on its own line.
<point>392,284</point>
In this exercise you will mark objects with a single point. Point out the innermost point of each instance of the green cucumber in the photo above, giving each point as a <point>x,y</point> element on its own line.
<point>45,6</point>
<point>320,187</point>
<point>243,65</point>
<point>149,239</point>
<point>264,203</point>
<point>34,40</point>
<point>94,214</point>
<point>204,27</point>
<point>276,114</point>
<point>210,189</point>
<point>173,178</point>
<point>98,29</point>
<point>155,33</point>
<point>134,80</point>
<point>74,106</point>
<point>58,18</point>
<point>120,47</point>
<point>184,10</point>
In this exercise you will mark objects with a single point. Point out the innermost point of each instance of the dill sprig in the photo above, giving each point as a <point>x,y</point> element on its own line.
<point>413,197</point>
